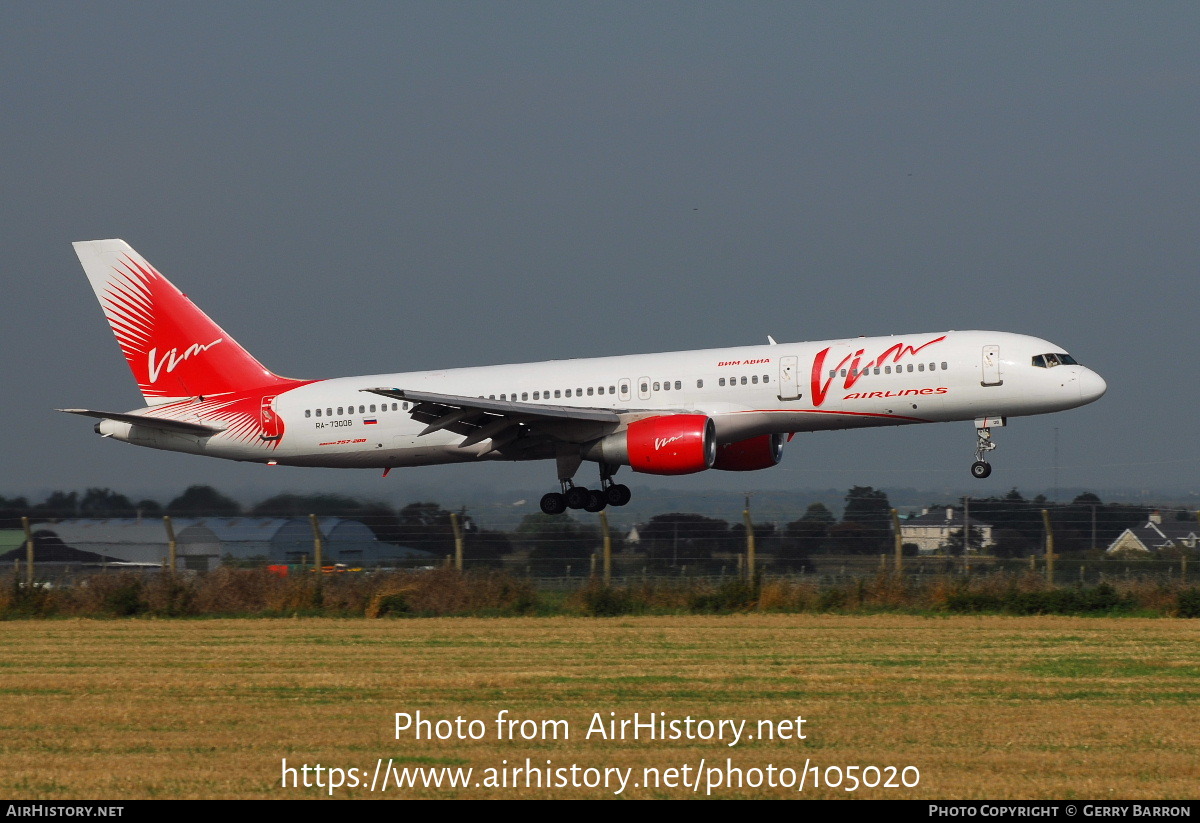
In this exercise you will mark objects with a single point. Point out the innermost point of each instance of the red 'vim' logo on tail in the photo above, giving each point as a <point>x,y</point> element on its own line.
<point>172,358</point>
<point>174,349</point>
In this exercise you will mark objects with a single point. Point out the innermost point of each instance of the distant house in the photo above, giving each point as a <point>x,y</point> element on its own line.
<point>931,529</point>
<point>1157,534</point>
<point>202,543</point>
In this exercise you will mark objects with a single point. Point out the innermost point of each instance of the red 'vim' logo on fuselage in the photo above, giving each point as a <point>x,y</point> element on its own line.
<point>856,366</point>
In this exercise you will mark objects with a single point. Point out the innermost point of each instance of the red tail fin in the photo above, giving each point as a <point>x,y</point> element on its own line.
<point>173,349</point>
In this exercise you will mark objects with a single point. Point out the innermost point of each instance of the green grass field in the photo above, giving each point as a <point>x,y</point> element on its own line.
<point>983,707</point>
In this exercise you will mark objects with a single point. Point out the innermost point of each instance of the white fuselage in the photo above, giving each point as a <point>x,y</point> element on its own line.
<point>747,391</point>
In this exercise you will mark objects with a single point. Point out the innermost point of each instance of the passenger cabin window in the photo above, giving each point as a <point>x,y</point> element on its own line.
<point>308,412</point>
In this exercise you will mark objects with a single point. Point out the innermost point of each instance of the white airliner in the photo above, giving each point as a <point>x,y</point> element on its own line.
<point>668,413</point>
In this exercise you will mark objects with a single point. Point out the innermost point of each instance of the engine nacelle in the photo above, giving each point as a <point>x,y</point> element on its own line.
<point>668,444</point>
<point>749,455</point>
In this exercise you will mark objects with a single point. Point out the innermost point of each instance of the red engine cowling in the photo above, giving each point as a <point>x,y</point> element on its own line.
<point>748,455</point>
<point>668,444</point>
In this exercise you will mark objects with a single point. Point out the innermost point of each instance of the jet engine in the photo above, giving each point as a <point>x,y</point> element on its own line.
<point>754,453</point>
<point>667,444</point>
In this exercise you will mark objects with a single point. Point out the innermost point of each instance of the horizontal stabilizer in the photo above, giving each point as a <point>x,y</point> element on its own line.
<point>146,420</point>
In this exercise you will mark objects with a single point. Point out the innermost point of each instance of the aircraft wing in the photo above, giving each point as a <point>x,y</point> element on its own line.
<point>180,426</point>
<point>502,421</point>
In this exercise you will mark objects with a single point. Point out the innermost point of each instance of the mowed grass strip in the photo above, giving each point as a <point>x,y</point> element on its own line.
<point>984,707</point>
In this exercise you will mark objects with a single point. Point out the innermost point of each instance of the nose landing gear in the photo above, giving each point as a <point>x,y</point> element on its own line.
<point>981,468</point>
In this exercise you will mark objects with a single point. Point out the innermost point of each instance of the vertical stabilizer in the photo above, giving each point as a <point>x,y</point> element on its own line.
<point>173,349</point>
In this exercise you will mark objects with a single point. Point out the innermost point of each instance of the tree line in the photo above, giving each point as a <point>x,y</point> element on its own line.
<point>666,540</point>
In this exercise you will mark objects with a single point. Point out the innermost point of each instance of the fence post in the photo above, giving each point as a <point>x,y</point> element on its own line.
<point>607,548</point>
<point>898,538</point>
<point>318,542</point>
<point>749,541</point>
<point>171,544</point>
<point>28,551</point>
<point>1049,547</point>
<point>456,527</point>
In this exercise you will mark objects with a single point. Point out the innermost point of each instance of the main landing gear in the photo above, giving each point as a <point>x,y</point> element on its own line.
<point>981,468</point>
<point>590,500</point>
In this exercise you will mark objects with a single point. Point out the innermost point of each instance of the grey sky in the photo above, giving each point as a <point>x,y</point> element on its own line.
<point>373,187</point>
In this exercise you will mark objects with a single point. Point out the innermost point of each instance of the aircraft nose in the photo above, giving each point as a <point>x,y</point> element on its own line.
<point>1091,386</point>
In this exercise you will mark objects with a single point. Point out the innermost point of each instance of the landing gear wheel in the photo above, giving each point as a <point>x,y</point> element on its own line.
<point>596,502</point>
<point>981,469</point>
<point>618,495</point>
<point>576,497</point>
<point>554,503</point>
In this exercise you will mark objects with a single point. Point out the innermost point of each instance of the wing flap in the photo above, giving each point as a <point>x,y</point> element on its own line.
<point>501,421</point>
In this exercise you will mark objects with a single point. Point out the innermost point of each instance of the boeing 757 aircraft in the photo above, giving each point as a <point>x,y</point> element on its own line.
<point>670,413</point>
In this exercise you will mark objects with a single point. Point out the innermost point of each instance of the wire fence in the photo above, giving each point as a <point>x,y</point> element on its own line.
<point>566,552</point>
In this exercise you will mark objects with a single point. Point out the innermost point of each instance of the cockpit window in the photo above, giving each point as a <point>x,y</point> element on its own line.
<point>1049,361</point>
